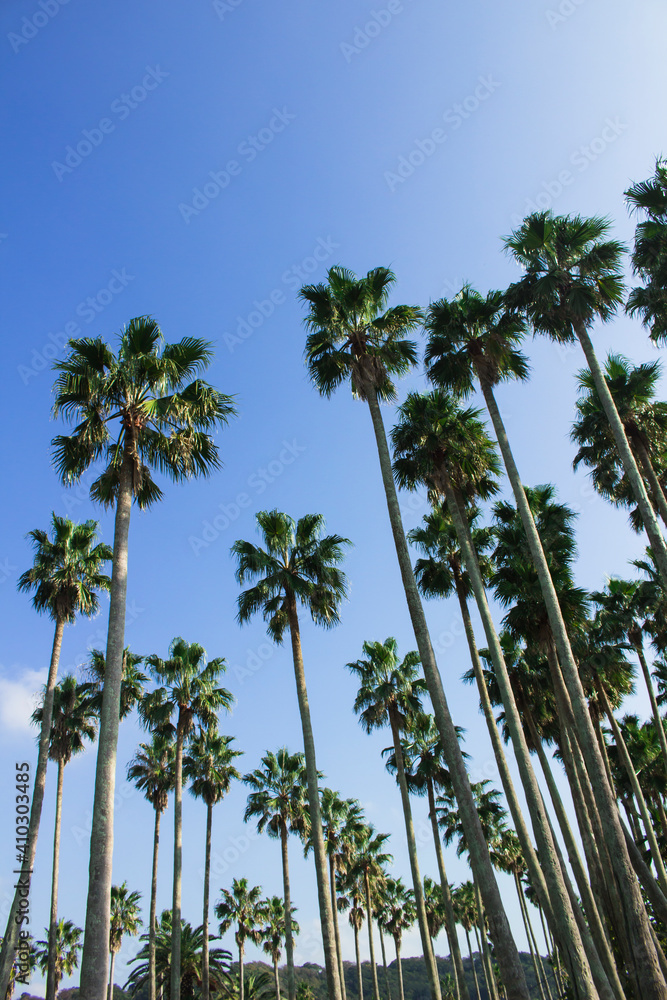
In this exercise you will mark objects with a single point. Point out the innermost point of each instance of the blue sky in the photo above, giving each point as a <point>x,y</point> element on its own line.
<point>197,162</point>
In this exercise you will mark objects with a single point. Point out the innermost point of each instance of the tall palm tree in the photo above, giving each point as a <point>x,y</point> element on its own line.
<point>192,943</point>
<point>242,907</point>
<point>278,802</point>
<point>390,693</point>
<point>368,866</point>
<point>73,721</point>
<point>68,946</point>
<point>633,390</point>
<point>298,565</point>
<point>649,258</point>
<point>189,694</point>
<point>140,409</point>
<point>65,578</point>
<point>125,919</point>
<point>399,917</point>
<point>477,338</point>
<point>274,933</point>
<point>352,334</point>
<point>152,771</point>
<point>208,766</point>
<point>350,893</point>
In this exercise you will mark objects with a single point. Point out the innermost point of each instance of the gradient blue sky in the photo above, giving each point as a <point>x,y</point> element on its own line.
<point>556,105</point>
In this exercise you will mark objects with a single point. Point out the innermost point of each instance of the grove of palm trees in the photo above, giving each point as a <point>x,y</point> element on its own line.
<point>336,647</point>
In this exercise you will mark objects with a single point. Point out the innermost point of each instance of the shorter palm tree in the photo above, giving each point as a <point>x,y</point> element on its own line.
<point>131,684</point>
<point>124,920</point>
<point>242,907</point>
<point>274,933</point>
<point>400,915</point>
<point>67,949</point>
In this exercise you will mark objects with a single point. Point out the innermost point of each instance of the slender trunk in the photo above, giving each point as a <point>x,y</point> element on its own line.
<point>276,976</point>
<point>205,988</point>
<point>98,905</point>
<point>384,963</point>
<point>334,910</point>
<point>657,801</point>
<point>397,944</point>
<point>241,979</point>
<point>152,918</point>
<point>450,919</point>
<point>112,962</point>
<point>51,985</point>
<point>555,891</point>
<point>634,784</point>
<point>646,879</point>
<point>175,977</point>
<point>652,485</point>
<point>360,979</point>
<point>289,936</point>
<point>319,850</point>
<point>417,884</point>
<point>524,917</point>
<point>472,964</point>
<point>531,931</point>
<point>657,719</point>
<point>501,934</point>
<point>371,944</point>
<point>646,972</point>
<point>486,955</point>
<point>14,920</point>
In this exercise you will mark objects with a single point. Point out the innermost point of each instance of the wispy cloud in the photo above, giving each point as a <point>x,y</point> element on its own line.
<point>19,695</point>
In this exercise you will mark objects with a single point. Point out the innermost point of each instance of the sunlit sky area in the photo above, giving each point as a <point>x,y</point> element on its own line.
<point>198,161</point>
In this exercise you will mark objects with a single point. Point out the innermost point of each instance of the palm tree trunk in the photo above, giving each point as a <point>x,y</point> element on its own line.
<point>98,905</point>
<point>14,921</point>
<point>371,944</point>
<point>384,963</point>
<point>472,964</point>
<point>628,462</point>
<point>334,909</point>
<point>276,976</point>
<point>531,931</point>
<point>657,719</point>
<point>360,979</point>
<point>420,903</point>
<point>401,994</point>
<point>524,917</point>
<point>326,916</point>
<point>205,989</point>
<point>112,962</point>
<point>450,919</point>
<point>152,922</point>
<point>51,985</point>
<point>634,784</point>
<point>241,980</point>
<point>175,989</point>
<point>654,489</point>
<point>486,956</point>
<point>289,936</point>
<point>501,934</point>
<point>549,881</point>
<point>646,972</point>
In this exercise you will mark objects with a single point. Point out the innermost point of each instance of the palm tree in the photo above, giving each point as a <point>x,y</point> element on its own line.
<point>352,336</point>
<point>465,907</point>
<point>190,695</point>
<point>209,769</point>
<point>131,683</point>
<point>163,413</point>
<point>390,693</point>
<point>67,948</point>
<point>279,803</point>
<point>299,565</point>
<point>275,933</point>
<point>65,577</point>
<point>72,723</point>
<point>400,915</point>
<point>191,961</point>
<point>350,893</point>
<point>243,908</point>
<point>368,867</point>
<point>649,258</point>
<point>124,920</point>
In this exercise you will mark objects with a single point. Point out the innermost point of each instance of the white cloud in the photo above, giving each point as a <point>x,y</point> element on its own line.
<point>19,696</point>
